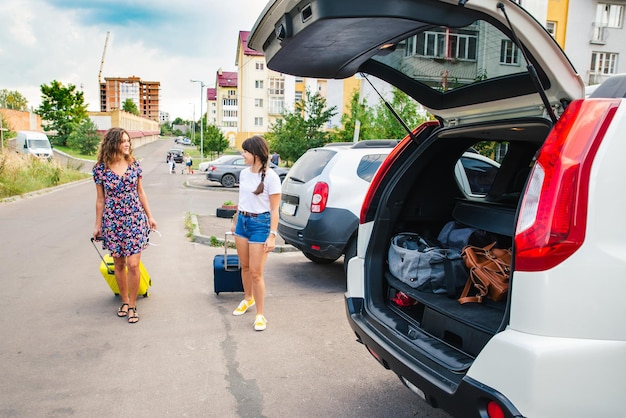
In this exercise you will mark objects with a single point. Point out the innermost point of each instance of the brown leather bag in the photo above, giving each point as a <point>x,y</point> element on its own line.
<point>489,272</point>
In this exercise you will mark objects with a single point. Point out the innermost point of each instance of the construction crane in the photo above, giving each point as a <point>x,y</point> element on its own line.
<point>106,41</point>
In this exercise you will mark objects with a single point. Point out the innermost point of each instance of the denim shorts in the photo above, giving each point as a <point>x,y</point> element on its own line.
<point>255,228</point>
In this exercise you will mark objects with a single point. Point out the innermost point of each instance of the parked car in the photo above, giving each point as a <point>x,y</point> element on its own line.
<point>177,153</point>
<point>204,166</point>
<point>322,195</point>
<point>226,169</point>
<point>555,345</point>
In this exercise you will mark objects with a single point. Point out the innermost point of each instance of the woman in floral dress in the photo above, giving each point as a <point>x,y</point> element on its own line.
<point>123,217</point>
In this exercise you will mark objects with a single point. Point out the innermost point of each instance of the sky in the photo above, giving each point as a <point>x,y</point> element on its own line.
<point>172,42</point>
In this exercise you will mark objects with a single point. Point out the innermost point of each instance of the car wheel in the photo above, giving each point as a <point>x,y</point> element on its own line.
<point>228,180</point>
<point>350,252</point>
<point>319,260</point>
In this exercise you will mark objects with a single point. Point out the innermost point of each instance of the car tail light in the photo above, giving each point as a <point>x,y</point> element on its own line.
<point>553,215</point>
<point>384,168</point>
<point>494,410</point>
<point>212,168</point>
<point>320,197</point>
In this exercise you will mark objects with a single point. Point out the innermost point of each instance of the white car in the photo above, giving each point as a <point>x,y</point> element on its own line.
<point>497,83</point>
<point>323,193</point>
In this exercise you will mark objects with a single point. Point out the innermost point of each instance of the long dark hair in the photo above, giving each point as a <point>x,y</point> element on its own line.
<point>110,147</point>
<point>257,146</point>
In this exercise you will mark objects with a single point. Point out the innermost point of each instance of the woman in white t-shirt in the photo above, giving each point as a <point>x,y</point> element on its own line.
<point>255,224</point>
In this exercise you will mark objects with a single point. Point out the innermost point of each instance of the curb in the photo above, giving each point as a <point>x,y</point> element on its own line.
<point>196,236</point>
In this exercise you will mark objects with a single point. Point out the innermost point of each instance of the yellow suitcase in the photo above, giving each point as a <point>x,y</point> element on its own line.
<point>107,270</point>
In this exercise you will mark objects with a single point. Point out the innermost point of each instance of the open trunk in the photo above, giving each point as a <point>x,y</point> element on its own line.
<point>426,194</point>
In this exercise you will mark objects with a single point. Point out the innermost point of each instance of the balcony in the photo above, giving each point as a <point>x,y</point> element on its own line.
<point>600,33</point>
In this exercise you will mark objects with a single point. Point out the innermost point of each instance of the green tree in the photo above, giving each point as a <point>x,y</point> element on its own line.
<point>62,108</point>
<point>130,107</point>
<point>84,137</point>
<point>13,100</point>
<point>357,111</point>
<point>301,129</point>
<point>386,126</point>
<point>213,140</point>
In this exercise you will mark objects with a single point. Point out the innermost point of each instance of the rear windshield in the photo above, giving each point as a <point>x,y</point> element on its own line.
<point>447,58</point>
<point>311,164</point>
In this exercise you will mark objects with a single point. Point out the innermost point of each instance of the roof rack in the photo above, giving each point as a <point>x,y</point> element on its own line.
<point>377,143</point>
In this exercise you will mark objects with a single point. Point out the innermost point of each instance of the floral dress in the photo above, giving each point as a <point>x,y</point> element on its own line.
<point>125,226</point>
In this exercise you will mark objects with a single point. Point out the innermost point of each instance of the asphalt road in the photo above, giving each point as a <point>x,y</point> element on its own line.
<point>63,352</point>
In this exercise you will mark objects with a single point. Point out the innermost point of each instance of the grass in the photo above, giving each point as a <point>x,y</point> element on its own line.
<point>20,174</point>
<point>76,154</point>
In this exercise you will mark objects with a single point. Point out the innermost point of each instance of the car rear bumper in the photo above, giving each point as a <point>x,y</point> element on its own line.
<point>325,235</point>
<point>461,396</point>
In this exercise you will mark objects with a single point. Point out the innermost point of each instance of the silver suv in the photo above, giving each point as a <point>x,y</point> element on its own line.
<point>499,84</point>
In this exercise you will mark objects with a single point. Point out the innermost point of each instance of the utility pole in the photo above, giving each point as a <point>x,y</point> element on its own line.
<point>201,118</point>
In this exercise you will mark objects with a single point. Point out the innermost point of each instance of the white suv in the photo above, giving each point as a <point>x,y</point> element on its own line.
<point>322,196</point>
<point>499,84</point>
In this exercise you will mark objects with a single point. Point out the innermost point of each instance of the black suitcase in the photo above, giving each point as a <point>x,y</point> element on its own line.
<point>227,271</point>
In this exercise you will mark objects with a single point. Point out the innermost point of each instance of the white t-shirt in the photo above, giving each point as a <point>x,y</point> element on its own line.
<point>248,182</point>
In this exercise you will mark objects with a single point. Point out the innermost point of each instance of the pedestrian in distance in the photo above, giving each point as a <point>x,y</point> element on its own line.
<point>188,163</point>
<point>123,217</point>
<point>171,164</point>
<point>255,225</point>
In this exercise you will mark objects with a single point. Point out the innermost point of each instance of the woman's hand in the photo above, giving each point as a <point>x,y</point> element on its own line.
<point>270,243</point>
<point>153,224</point>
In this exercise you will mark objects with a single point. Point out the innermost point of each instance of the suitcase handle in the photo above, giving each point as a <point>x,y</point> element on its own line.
<point>226,234</point>
<point>93,241</point>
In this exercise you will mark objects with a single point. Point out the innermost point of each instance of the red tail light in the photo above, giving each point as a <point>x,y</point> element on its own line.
<point>320,197</point>
<point>553,215</point>
<point>384,168</point>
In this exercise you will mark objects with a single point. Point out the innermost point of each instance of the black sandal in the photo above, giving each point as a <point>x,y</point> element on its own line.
<point>134,318</point>
<point>121,312</point>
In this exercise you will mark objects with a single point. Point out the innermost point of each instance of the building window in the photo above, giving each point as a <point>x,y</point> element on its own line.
<point>509,53</point>
<point>444,44</point>
<point>229,114</point>
<point>258,121</point>
<point>609,15</point>
<point>277,86</point>
<point>258,102</point>
<point>232,92</point>
<point>259,65</point>
<point>229,102</point>
<point>603,63</point>
<point>258,84</point>
<point>551,27</point>
<point>298,96</point>
<point>277,105</point>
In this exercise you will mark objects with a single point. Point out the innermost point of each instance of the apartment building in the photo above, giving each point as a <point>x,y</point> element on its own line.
<point>211,106</point>
<point>114,91</point>
<point>227,103</point>
<point>595,38</point>
<point>263,94</point>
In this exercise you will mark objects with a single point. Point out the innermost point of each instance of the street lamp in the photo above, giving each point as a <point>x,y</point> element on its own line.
<point>201,118</point>
<point>193,122</point>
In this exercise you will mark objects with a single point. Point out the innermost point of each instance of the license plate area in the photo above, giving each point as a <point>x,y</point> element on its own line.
<point>289,204</point>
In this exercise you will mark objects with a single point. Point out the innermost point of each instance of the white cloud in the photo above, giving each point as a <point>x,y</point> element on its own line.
<point>46,40</point>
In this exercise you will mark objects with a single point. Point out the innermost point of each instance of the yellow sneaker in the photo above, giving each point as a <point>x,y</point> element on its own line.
<point>260,323</point>
<point>243,307</point>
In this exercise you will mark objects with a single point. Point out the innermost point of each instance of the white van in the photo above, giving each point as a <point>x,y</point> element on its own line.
<point>34,143</point>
